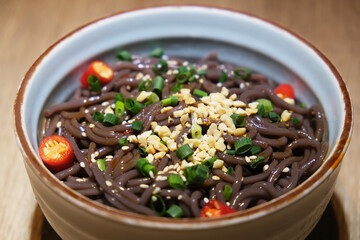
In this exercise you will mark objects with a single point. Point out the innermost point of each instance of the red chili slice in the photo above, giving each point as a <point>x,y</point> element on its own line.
<point>214,208</point>
<point>99,69</point>
<point>286,90</point>
<point>56,152</point>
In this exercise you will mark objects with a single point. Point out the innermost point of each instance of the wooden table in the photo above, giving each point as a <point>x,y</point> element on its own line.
<point>27,28</point>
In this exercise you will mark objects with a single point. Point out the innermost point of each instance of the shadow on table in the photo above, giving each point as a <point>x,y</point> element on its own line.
<point>332,225</point>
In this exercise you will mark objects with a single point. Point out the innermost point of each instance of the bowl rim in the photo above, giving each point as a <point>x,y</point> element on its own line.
<point>188,223</point>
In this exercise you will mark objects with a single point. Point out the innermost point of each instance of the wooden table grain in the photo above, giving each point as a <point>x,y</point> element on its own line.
<point>27,28</point>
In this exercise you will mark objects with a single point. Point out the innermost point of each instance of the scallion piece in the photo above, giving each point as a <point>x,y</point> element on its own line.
<point>98,116</point>
<point>111,119</point>
<point>94,83</point>
<point>223,77</point>
<point>101,164</point>
<point>156,52</point>
<point>153,98</point>
<point>199,93</point>
<point>266,103</point>
<point>124,56</point>
<point>227,192</point>
<point>158,206</point>
<point>144,85</point>
<point>193,78</point>
<point>196,131</point>
<point>242,73</point>
<point>209,162</point>
<point>160,67</point>
<point>243,145</point>
<point>137,125</point>
<point>133,106</point>
<point>184,151</point>
<point>176,88</point>
<point>176,181</point>
<point>196,174</point>
<point>239,120</point>
<point>123,142</point>
<point>119,97</point>
<point>230,170</point>
<point>201,72</point>
<point>158,85</point>
<point>170,101</point>
<point>274,117</point>
<point>119,108</point>
<point>142,152</point>
<point>230,152</point>
<point>253,164</point>
<point>255,149</point>
<point>182,77</point>
<point>295,120</point>
<point>303,105</point>
<point>144,167</point>
<point>174,211</point>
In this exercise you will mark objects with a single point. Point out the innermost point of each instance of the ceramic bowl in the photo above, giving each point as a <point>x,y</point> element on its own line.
<point>190,32</point>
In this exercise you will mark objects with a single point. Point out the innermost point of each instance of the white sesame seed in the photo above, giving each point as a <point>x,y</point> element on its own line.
<point>166,169</point>
<point>286,170</point>
<point>86,111</point>
<point>101,189</point>
<point>105,103</point>
<point>153,198</point>
<point>91,125</point>
<point>266,167</point>
<point>125,148</point>
<point>96,154</point>
<point>156,190</point>
<point>151,174</point>
<point>179,197</point>
<point>144,186</point>
<point>83,134</point>
<point>58,125</point>
<point>206,200</point>
<point>121,188</point>
<point>247,159</point>
<point>253,157</point>
<point>227,204</point>
<point>109,156</point>
<point>168,197</point>
<point>216,178</point>
<point>82,164</point>
<point>108,183</point>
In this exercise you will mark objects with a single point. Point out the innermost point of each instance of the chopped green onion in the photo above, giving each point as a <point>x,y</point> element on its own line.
<point>94,83</point>
<point>255,149</point>
<point>303,105</point>
<point>176,181</point>
<point>243,145</point>
<point>182,77</point>
<point>209,162</point>
<point>172,101</point>
<point>196,174</point>
<point>98,116</point>
<point>160,67</point>
<point>123,142</point>
<point>158,206</point>
<point>133,106</point>
<point>174,211</point>
<point>145,85</point>
<point>183,69</point>
<point>242,73</point>
<point>119,109</point>
<point>124,55</point>
<point>192,69</point>
<point>201,72</point>
<point>158,85</point>
<point>184,151</point>
<point>253,164</point>
<point>274,117</point>
<point>196,131</point>
<point>193,78</point>
<point>119,97</point>
<point>144,167</point>
<point>111,119</point>
<point>230,152</point>
<point>227,192</point>
<point>137,125</point>
<point>266,103</point>
<point>239,120</point>
<point>176,88</point>
<point>199,93</point>
<point>223,77</point>
<point>154,98</point>
<point>101,164</point>
<point>295,120</point>
<point>156,52</point>
<point>230,170</point>
<point>261,110</point>
<point>142,152</point>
